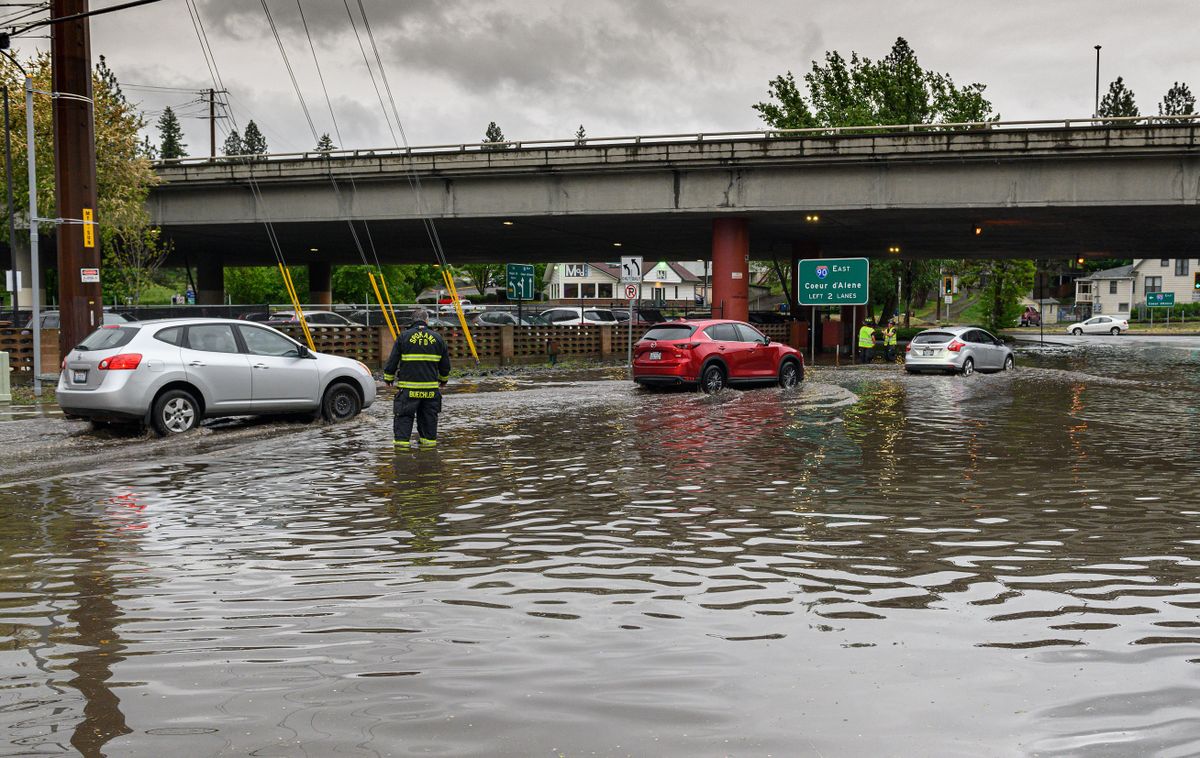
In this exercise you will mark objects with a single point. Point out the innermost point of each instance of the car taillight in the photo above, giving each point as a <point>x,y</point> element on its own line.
<point>111,326</point>
<point>955,346</point>
<point>122,362</point>
<point>908,348</point>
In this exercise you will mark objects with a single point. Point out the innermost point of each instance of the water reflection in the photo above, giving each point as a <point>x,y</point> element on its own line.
<point>869,564</point>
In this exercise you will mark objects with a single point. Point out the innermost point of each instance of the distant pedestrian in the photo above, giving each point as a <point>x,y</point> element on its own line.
<point>420,366</point>
<point>866,342</point>
<point>889,340</point>
<point>552,350</point>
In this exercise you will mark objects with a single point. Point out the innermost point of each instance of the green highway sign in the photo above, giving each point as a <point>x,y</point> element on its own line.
<point>833,281</point>
<point>1160,299</point>
<point>519,277</point>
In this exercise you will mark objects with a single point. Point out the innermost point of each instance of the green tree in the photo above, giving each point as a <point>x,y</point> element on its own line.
<point>580,134</point>
<point>482,275</point>
<point>1118,102</point>
<point>233,144</point>
<point>491,136</point>
<point>253,140</point>
<point>1001,284</point>
<point>325,144</point>
<point>1179,101</point>
<point>263,284</point>
<point>171,144</point>
<point>862,92</point>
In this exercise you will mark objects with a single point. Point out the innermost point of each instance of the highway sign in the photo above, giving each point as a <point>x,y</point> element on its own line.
<point>833,281</point>
<point>631,291</point>
<point>1160,299</point>
<point>631,269</point>
<point>519,280</point>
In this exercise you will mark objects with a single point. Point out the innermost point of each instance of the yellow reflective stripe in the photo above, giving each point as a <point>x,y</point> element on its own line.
<point>389,377</point>
<point>402,443</point>
<point>417,385</point>
<point>445,378</point>
<point>420,357</point>
<point>431,443</point>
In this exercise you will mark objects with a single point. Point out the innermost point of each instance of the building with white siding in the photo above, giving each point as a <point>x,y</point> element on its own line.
<point>666,282</point>
<point>1117,291</point>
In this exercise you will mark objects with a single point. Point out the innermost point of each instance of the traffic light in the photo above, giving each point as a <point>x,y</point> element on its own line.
<point>948,285</point>
<point>1196,281</point>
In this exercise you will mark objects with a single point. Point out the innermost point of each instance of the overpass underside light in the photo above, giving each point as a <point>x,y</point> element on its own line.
<point>894,249</point>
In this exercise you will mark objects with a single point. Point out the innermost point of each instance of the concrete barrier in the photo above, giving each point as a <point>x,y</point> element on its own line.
<point>5,387</point>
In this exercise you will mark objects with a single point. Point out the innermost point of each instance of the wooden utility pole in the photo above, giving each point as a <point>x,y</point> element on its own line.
<point>79,296</point>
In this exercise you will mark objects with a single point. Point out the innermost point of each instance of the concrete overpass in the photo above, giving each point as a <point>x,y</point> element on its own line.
<point>1031,189</point>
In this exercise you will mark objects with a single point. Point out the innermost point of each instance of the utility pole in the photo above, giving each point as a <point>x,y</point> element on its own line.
<point>212,118</point>
<point>1096,112</point>
<point>80,302</point>
<point>12,232</point>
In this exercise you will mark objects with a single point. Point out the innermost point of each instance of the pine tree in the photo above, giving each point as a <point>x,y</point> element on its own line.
<point>1118,102</point>
<point>580,134</point>
<point>233,144</point>
<point>325,144</point>
<point>171,144</point>
<point>1179,101</point>
<point>493,135</point>
<point>254,142</point>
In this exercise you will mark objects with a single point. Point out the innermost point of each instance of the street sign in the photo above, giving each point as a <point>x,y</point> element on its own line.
<point>631,291</point>
<point>89,230</point>
<point>949,299</point>
<point>88,275</point>
<point>1160,299</point>
<point>8,280</point>
<point>833,281</point>
<point>631,269</point>
<point>519,280</point>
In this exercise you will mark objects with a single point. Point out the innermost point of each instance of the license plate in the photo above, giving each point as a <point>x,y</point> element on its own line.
<point>656,356</point>
<point>79,376</point>
<point>927,353</point>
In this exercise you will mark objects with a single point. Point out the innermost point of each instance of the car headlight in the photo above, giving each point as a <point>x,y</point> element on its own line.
<point>363,366</point>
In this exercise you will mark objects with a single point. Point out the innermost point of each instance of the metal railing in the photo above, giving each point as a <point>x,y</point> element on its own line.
<point>684,138</point>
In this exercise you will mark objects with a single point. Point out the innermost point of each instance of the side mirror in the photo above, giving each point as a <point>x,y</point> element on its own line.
<point>766,341</point>
<point>304,352</point>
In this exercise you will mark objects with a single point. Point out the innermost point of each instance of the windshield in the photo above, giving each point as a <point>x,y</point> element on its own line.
<point>669,332</point>
<point>932,337</point>
<point>108,337</point>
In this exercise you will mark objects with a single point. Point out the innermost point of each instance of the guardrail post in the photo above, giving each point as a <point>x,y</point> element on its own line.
<point>386,341</point>
<point>507,349</point>
<point>5,379</point>
<point>605,341</point>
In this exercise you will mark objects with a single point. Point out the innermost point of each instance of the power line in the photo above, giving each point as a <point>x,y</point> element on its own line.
<point>77,16</point>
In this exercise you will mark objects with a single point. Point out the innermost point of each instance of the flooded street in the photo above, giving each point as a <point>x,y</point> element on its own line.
<point>872,564</point>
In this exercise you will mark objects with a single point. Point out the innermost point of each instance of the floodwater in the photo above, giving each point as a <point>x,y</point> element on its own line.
<point>872,564</point>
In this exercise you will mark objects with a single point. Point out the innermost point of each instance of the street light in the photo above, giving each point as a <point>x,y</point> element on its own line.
<point>1096,112</point>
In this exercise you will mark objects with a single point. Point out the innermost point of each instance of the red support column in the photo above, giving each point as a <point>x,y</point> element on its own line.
<point>731,268</point>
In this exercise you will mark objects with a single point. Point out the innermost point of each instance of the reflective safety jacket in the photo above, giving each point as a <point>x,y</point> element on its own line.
<point>889,335</point>
<point>866,336</point>
<point>419,361</point>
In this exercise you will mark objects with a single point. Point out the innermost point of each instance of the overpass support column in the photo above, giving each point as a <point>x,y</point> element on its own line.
<point>731,268</point>
<point>210,282</point>
<point>320,283</point>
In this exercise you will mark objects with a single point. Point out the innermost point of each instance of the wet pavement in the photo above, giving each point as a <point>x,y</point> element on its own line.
<point>872,564</point>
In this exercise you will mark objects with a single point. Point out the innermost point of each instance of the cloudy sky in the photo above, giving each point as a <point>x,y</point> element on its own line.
<point>540,68</point>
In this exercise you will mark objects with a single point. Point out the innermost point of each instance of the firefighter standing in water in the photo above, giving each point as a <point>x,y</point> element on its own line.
<point>866,341</point>
<point>889,340</point>
<point>420,367</point>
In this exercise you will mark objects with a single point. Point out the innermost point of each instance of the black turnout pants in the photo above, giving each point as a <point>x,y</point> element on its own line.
<point>410,404</point>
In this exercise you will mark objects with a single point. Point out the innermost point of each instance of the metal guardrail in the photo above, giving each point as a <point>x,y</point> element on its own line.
<point>684,138</point>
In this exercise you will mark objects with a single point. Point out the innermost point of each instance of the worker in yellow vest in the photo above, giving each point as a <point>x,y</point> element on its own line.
<point>889,340</point>
<point>866,342</point>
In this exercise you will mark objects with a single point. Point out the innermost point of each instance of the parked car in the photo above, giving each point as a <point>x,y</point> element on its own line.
<point>52,319</point>
<point>957,349</point>
<point>1031,317</point>
<point>500,318</point>
<point>713,354</point>
<point>576,315</point>
<point>313,318</point>
<point>171,373</point>
<point>1113,325</point>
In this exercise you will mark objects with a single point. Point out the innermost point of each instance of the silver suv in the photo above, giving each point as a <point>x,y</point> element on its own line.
<point>957,349</point>
<point>172,373</point>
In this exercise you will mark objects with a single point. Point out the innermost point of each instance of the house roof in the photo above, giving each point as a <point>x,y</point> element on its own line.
<point>614,270</point>
<point>1120,272</point>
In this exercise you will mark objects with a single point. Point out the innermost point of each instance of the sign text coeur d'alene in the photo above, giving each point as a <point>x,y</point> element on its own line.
<point>833,281</point>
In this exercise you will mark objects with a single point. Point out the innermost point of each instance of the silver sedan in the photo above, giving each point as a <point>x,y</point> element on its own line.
<point>172,373</point>
<point>957,349</point>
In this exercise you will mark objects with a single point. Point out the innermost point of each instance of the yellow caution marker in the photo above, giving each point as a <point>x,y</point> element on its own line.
<point>291,289</point>
<point>387,319</point>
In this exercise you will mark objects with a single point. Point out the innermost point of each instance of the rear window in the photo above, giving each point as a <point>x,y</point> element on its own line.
<point>669,332</point>
<point>108,337</point>
<point>171,336</point>
<point>599,315</point>
<point>723,333</point>
<point>932,337</point>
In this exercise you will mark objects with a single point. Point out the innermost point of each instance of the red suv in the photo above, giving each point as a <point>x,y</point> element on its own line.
<point>713,354</point>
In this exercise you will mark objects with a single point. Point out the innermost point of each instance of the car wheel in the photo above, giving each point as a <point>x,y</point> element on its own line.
<point>1077,332</point>
<point>713,379</point>
<point>968,367</point>
<point>789,375</point>
<point>175,412</point>
<point>341,403</point>
<point>1009,363</point>
<point>1114,331</point>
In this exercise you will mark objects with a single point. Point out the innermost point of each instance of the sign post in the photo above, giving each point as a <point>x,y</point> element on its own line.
<point>631,277</point>
<point>518,280</point>
<point>835,281</point>
<point>1160,300</point>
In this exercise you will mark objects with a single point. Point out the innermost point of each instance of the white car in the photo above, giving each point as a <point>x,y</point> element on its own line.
<point>574,316</point>
<point>1113,325</point>
<point>314,318</point>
